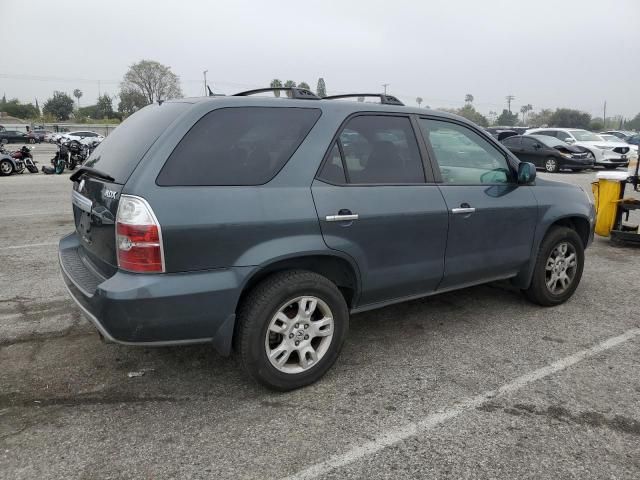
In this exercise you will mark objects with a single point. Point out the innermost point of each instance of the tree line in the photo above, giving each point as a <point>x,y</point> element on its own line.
<point>148,81</point>
<point>560,117</point>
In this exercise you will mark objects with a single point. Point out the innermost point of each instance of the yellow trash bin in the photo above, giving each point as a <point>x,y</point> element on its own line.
<point>607,191</point>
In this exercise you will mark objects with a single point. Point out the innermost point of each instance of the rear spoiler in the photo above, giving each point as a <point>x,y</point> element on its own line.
<point>93,172</point>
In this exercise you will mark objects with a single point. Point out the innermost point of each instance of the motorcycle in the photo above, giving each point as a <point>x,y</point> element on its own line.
<point>25,158</point>
<point>62,159</point>
<point>15,162</point>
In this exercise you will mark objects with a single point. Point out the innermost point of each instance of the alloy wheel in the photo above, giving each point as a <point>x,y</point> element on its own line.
<point>5,167</point>
<point>560,268</point>
<point>299,334</point>
<point>551,165</point>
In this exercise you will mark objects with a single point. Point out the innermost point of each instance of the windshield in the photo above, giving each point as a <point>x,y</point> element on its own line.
<point>549,141</point>
<point>610,138</point>
<point>584,136</point>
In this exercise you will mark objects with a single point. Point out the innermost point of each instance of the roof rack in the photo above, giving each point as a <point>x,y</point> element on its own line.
<point>299,93</point>
<point>384,98</point>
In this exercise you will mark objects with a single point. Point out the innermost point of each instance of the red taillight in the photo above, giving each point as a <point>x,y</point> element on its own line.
<point>138,237</point>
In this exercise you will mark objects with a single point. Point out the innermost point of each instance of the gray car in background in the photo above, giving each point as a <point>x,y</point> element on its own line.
<point>260,224</point>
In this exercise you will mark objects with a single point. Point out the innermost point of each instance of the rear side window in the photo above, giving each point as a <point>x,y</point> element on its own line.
<point>238,146</point>
<point>119,153</point>
<point>375,149</point>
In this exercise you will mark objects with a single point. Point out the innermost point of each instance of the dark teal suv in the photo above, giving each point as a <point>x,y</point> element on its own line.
<point>260,224</point>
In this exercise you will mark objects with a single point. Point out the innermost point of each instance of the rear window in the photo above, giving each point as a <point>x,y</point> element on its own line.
<point>238,146</point>
<point>119,153</point>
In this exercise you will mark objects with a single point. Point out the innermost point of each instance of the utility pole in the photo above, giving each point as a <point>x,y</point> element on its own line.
<point>385,85</point>
<point>604,115</point>
<point>510,98</point>
<point>98,88</point>
<point>205,83</point>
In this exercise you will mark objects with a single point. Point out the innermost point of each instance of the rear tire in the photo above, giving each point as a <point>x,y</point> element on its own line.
<point>272,317</point>
<point>552,264</point>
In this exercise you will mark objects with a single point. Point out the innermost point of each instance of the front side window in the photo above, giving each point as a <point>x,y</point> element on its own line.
<point>238,146</point>
<point>512,142</point>
<point>380,149</point>
<point>530,144</point>
<point>463,156</point>
<point>585,136</point>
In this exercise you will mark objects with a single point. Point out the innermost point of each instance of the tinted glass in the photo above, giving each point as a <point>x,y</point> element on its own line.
<point>119,154</point>
<point>529,143</point>
<point>465,157</point>
<point>381,149</point>
<point>238,146</point>
<point>512,141</point>
<point>333,171</point>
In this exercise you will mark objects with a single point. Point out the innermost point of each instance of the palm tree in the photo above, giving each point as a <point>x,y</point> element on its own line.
<point>289,84</point>
<point>524,110</point>
<point>468,98</point>
<point>419,101</point>
<point>77,93</point>
<point>275,83</point>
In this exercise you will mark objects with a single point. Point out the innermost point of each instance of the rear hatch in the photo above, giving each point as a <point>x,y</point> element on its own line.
<point>99,182</point>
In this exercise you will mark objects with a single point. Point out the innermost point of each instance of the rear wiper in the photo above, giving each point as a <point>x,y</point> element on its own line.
<point>93,172</point>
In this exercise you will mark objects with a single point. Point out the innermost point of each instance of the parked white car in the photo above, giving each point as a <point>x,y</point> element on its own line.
<point>83,136</point>
<point>613,139</point>
<point>606,154</point>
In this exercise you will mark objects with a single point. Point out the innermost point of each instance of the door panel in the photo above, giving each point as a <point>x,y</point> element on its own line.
<point>491,219</point>
<point>495,240</point>
<point>398,239</point>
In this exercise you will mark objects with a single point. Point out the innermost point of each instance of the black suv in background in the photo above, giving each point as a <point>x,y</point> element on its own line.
<point>262,223</point>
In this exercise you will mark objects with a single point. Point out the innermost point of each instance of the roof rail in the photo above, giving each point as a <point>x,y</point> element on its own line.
<point>384,98</point>
<point>299,93</point>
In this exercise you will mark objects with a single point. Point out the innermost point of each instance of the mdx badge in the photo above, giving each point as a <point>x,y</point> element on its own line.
<point>110,194</point>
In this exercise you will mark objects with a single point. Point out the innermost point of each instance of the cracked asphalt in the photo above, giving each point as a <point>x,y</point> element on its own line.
<point>68,408</point>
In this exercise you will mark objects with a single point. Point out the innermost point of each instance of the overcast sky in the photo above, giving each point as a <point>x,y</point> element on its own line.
<point>573,53</point>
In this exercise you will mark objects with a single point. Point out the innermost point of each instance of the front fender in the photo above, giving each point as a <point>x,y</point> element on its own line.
<point>557,202</point>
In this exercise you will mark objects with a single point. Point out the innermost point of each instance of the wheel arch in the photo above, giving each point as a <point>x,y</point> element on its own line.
<point>579,223</point>
<point>340,270</point>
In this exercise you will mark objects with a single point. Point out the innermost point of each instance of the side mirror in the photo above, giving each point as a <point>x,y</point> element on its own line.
<point>526,173</point>
<point>569,140</point>
<point>537,146</point>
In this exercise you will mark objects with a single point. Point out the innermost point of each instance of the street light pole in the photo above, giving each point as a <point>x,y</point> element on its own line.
<point>205,82</point>
<point>385,85</point>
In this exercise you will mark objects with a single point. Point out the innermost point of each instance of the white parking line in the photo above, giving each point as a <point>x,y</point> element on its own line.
<point>400,434</point>
<point>15,247</point>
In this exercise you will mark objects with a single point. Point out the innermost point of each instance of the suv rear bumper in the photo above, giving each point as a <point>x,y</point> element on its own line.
<point>154,309</point>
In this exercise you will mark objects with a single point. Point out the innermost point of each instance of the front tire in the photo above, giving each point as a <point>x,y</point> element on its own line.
<point>6,168</point>
<point>551,165</point>
<point>291,328</point>
<point>558,268</point>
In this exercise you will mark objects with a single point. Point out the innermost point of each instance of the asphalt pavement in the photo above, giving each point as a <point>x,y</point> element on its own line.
<point>477,383</point>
